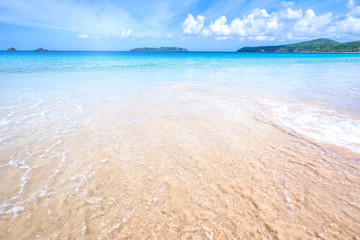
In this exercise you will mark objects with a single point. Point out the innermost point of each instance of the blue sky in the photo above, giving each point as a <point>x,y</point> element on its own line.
<point>197,25</point>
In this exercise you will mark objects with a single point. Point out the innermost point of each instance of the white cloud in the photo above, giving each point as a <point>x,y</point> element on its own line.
<point>125,34</point>
<point>292,14</point>
<point>222,38</point>
<point>219,27</point>
<point>354,10</point>
<point>252,24</point>
<point>83,36</point>
<point>287,23</point>
<point>351,4</point>
<point>259,22</point>
<point>238,27</point>
<point>206,32</point>
<point>350,25</point>
<point>288,4</point>
<point>169,35</point>
<point>122,34</point>
<point>192,26</point>
<point>310,23</point>
<point>262,38</point>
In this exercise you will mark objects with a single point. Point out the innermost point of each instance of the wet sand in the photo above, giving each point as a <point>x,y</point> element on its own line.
<point>172,162</point>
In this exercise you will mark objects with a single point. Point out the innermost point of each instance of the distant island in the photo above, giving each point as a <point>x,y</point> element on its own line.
<point>322,45</point>
<point>161,49</point>
<point>37,50</point>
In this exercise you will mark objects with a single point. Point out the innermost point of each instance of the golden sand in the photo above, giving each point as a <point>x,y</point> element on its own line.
<point>178,164</point>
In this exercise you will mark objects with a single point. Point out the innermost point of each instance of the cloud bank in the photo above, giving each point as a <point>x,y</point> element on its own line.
<point>285,24</point>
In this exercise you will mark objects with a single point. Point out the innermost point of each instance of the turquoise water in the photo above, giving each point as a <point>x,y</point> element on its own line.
<point>325,78</point>
<point>328,81</point>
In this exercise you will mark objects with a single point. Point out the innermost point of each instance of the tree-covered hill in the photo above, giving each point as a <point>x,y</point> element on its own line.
<point>318,45</point>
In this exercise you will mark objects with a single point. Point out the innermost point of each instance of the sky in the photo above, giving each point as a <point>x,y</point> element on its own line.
<point>198,25</point>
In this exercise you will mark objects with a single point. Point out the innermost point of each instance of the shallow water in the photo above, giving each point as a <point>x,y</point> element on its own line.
<point>176,146</point>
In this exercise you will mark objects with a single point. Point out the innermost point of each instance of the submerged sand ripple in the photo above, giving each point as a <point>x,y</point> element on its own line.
<point>183,163</point>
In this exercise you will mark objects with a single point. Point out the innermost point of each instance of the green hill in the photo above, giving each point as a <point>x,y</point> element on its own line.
<point>318,45</point>
<point>162,49</point>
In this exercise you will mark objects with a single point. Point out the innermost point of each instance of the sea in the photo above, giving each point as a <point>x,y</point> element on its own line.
<point>194,145</point>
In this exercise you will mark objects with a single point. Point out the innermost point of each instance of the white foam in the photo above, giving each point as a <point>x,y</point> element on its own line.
<point>37,103</point>
<point>113,227</point>
<point>3,206</point>
<point>5,122</point>
<point>80,108</point>
<point>52,146</point>
<point>11,114</point>
<point>209,233</point>
<point>83,229</point>
<point>13,106</point>
<point>327,126</point>
<point>43,193</point>
<point>104,160</point>
<point>288,199</point>
<point>15,209</point>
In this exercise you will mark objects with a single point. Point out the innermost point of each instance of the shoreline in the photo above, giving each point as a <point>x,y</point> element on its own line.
<point>128,51</point>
